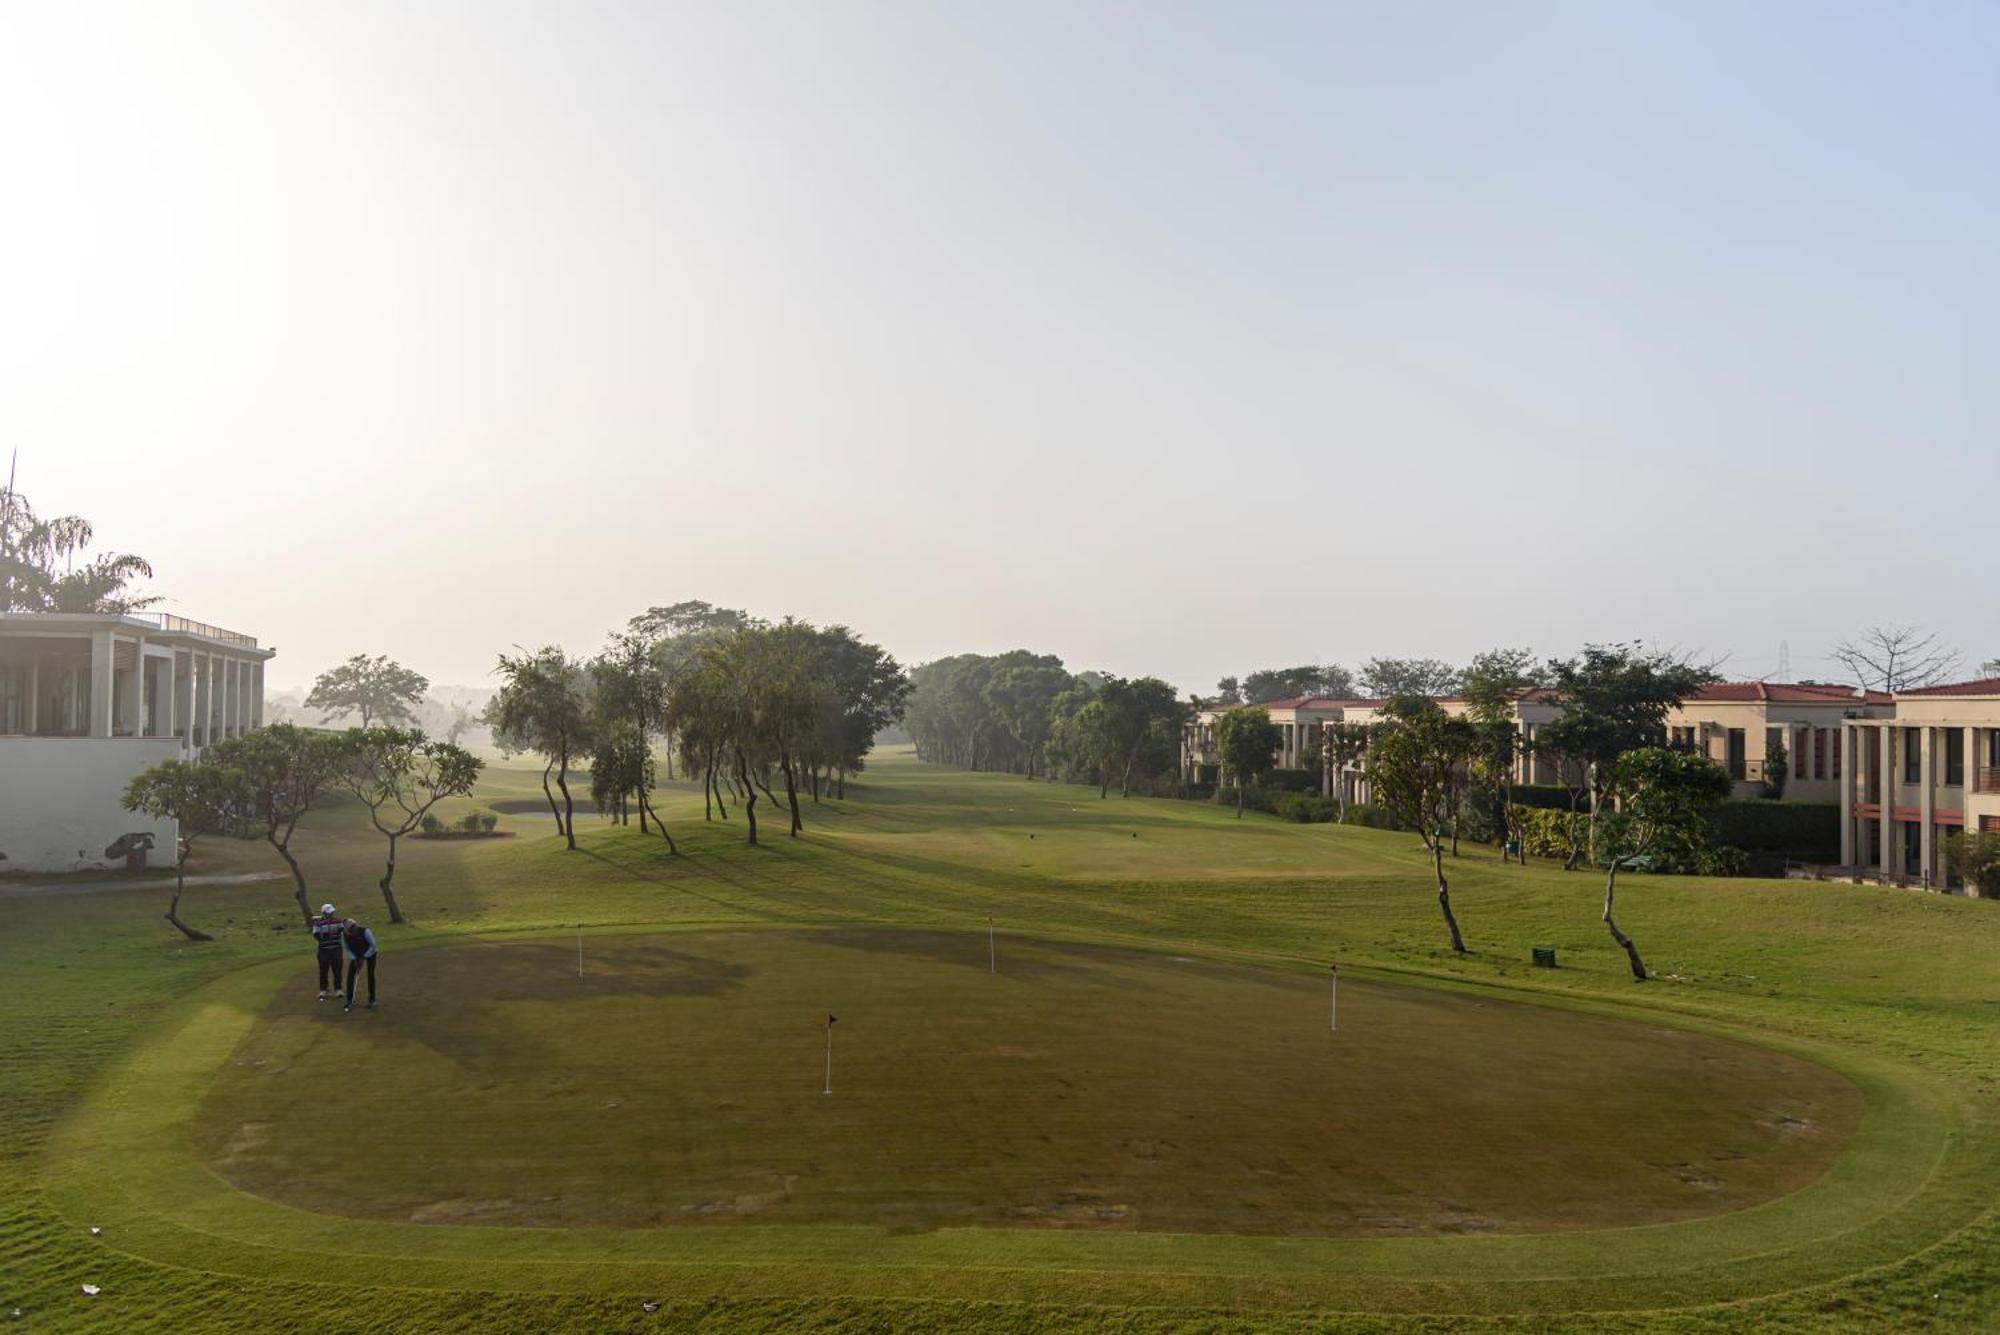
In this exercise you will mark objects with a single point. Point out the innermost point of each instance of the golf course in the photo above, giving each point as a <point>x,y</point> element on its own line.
<point>979,1052</point>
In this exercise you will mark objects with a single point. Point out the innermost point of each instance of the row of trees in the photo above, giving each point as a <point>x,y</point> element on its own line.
<point>262,784</point>
<point>1879,658</point>
<point>739,703</point>
<point>1025,713</point>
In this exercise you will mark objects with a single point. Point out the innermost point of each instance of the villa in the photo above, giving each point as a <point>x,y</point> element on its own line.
<point>87,700</point>
<point>1909,780</point>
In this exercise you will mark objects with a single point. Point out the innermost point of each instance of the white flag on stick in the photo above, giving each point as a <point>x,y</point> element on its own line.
<point>1333,1000</point>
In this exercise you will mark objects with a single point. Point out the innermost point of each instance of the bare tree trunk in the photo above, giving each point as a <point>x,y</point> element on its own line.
<point>792,794</point>
<point>749,807</point>
<point>174,909</point>
<point>841,789</point>
<point>388,890</point>
<point>641,791</point>
<point>708,793</point>
<point>1631,951</point>
<point>1444,897</point>
<point>1125,779</point>
<point>298,876</point>
<point>569,802</point>
<point>548,793</point>
<point>1239,797</point>
<point>658,824</point>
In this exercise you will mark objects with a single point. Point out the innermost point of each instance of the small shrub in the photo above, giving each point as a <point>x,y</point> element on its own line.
<point>1375,818</point>
<point>1548,833</point>
<point>469,822</point>
<point>1305,808</point>
<point>1974,857</point>
<point>487,820</point>
<point>431,824</point>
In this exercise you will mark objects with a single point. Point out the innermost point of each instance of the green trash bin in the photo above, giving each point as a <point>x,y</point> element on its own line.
<point>1545,957</point>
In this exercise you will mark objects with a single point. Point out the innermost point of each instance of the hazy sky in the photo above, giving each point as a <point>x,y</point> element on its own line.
<point>1172,339</point>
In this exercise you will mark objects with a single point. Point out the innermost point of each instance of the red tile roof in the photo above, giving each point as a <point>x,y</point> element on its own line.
<point>1984,686</point>
<point>1778,692</point>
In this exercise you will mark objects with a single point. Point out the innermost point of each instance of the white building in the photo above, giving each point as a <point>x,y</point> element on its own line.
<point>88,700</point>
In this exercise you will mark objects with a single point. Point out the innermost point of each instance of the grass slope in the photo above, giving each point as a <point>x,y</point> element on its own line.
<point>112,1031</point>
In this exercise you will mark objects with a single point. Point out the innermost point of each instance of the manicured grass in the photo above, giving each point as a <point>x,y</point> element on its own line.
<point>678,1080</point>
<point>113,1034</point>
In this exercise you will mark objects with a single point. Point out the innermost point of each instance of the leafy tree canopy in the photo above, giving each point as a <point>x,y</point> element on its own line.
<point>1387,678</point>
<point>1285,683</point>
<point>43,566</point>
<point>376,690</point>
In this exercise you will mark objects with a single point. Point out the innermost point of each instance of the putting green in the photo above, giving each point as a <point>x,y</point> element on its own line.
<point>679,1082</point>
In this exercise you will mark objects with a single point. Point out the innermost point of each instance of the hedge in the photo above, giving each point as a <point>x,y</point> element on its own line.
<point>1545,797</point>
<point>1761,825</point>
<point>1290,781</point>
<point>1548,834</point>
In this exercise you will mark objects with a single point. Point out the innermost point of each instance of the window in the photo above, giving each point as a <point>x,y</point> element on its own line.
<point>1954,757</point>
<point>1738,752</point>
<point>1913,756</point>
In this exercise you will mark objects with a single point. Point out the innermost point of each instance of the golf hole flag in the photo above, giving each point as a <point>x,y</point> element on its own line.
<point>831,1020</point>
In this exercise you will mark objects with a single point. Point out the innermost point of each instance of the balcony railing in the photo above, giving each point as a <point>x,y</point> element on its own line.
<point>1986,781</point>
<point>168,621</point>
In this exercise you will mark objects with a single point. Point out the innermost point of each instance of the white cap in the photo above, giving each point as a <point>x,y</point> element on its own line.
<point>326,908</point>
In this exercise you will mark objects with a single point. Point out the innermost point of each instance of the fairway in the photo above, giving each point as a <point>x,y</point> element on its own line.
<point>679,1082</point>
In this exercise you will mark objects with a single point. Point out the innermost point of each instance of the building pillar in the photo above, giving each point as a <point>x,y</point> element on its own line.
<point>1847,791</point>
<point>1927,803</point>
<point>34,715</point>
<point>169,692</point>
<point>132,700</point>
<point>183,721</point>
<point>100,684</point>
<point>1971,773</point>
<point>1886,820</point>
<point>257,698</point>
<point>203,681</point>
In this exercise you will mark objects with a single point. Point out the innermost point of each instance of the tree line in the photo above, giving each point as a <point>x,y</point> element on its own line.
<point>1025,713</point>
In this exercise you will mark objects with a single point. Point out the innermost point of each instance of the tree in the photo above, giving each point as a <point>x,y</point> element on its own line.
<point>1614,698</point>
<point>199,797</point>
<point>1021,695</point>
<point>39,570</point>
<point>1228,691</point>
<point>1416,768</point>
<point>284,768</point>
<point>378,689</point>
<point>1247,740</point>
<point>1142,718</point>
<point>1386,678</point>
<point>1286,683</point>
<point>861,690</point>
<point>1896,658</point>
<point>1777,767</point>
<point>628,687</point>
<point>1974,857</point>
<point>1342,746</point>
<point>540,707</point>
<point>1989,669</point>
<point>691,618</point>
<point>1491,686</point>
<point>1664,798</point>
<point>399,775</point>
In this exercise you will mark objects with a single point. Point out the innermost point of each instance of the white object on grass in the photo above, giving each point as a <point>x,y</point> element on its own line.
<point>96,1232</point>
<point>91,1290</point>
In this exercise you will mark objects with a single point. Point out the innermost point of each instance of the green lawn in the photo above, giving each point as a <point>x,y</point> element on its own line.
<point>1141,1123</point>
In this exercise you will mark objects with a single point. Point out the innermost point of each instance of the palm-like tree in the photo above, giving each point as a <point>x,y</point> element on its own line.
<point>39,571</point>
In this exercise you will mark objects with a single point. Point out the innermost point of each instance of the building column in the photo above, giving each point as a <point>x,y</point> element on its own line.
<point>257,697</point>
<point>169,692</point>
<point>1847,791</point>
<point>203,680</point>
<point>1971,773</point>
<point>183,720</point>
<point>1927,804</point>
<point>100,684</point>
<point>1886,821</point>
<point>132,700</point>
<point>34,715</point>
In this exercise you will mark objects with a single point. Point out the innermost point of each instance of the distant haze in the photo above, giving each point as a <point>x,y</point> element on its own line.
<point>1167,338</point>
